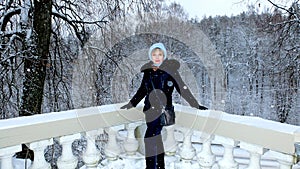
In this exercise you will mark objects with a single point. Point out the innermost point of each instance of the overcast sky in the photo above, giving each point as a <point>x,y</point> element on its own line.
<point>200,8</point>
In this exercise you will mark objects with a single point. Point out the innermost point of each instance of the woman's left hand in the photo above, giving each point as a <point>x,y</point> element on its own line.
<point>202,108</point>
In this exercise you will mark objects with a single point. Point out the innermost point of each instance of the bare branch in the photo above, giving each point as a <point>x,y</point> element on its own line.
<point>280,7</point>
<point>72,24</point>
<point>286,22</point>
<point>7,16</point>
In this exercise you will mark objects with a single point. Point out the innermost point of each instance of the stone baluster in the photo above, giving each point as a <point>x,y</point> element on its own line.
<point>67,159</point>
<point>6,155</point>
<point>255,154</point>
<point>131,144</point>
<point>39,154</point>
<point>227,162</point>
<point>112,149</point>
<point>297,153</point>
<point>187,151</point>
<point>206,157</point>
<point>170,144</point>
<point>285,161</point>
<point>91,156</point>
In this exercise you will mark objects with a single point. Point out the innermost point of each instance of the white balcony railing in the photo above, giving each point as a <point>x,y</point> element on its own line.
<point>200,139</point>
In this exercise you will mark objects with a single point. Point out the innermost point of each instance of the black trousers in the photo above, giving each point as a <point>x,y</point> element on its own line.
<point>154,148</point>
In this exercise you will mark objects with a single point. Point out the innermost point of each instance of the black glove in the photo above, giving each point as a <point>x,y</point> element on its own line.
<point>202,108</point>
<point>127,106</point>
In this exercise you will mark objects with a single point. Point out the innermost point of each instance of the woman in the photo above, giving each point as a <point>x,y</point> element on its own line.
<point>160,77</point>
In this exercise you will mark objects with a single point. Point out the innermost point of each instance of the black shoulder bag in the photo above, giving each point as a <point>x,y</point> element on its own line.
<point>167,116</point>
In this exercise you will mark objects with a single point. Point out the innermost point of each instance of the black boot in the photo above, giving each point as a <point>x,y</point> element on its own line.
<point>161,161</point>
<point>156,162</point>
<point>151,162</point>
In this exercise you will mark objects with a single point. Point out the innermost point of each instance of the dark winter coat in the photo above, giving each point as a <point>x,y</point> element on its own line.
<point>164,79</point>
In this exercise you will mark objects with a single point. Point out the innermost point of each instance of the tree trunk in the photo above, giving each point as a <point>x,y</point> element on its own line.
<point>35,64</point>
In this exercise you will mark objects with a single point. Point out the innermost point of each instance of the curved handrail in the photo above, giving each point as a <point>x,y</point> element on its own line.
<point>265,133</point>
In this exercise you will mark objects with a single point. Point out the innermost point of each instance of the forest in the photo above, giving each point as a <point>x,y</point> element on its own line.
<point>43,42</point>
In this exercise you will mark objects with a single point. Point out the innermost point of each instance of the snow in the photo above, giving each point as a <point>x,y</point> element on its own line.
<point>261,123</point>
<point>21,163</point>
<point>254,121</point>
<point>36,119</point>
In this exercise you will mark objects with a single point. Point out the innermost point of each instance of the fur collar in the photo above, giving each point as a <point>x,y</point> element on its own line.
<point>168,65</point>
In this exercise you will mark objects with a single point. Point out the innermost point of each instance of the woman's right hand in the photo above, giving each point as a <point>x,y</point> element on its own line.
<point>127,106</point>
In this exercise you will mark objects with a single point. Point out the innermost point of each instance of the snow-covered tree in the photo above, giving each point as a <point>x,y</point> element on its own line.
<point>38,38</point>
<point>261,61</point>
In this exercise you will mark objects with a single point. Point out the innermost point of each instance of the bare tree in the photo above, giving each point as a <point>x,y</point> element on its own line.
<point>285,25</point>
<point>38,39</point>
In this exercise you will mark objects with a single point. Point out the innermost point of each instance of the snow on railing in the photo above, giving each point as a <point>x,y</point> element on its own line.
<point>194,128</point>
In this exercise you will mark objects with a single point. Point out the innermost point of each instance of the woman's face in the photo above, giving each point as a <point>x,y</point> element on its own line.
<point>157,56</point>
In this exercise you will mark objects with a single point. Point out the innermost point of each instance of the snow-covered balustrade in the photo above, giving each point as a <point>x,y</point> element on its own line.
<point>200,139</point>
